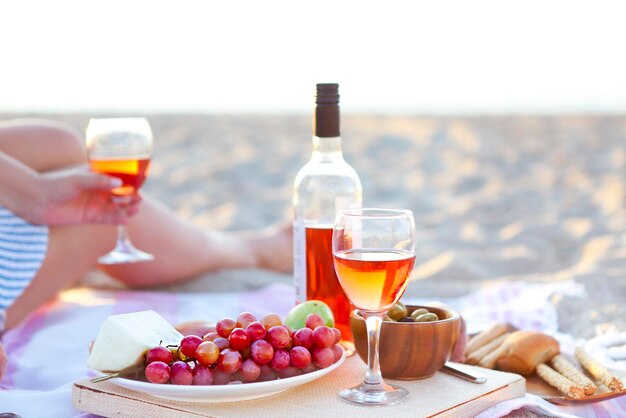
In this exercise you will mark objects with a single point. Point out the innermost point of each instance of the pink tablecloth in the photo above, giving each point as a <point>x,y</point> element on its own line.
<point>48,352</point>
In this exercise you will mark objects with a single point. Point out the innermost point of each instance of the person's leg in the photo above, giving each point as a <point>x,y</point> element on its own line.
<point>72,250</point>
<point>181,250</point>
<point>42,145</point>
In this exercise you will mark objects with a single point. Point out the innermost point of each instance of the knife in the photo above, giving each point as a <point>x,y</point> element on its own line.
<point>464,372</point>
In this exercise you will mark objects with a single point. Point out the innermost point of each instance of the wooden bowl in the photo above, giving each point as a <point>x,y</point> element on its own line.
<point>411,350</point>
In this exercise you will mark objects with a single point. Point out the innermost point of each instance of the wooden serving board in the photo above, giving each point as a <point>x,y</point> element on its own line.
<point>442,395</point>
<point>537,386</point>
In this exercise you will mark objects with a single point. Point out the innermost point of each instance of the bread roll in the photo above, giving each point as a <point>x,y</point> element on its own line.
<point>522,351</point>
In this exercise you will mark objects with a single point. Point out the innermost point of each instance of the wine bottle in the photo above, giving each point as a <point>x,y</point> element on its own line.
<point>323,186</point>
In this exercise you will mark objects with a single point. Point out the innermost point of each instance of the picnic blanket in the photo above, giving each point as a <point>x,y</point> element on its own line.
<point>48,352</point>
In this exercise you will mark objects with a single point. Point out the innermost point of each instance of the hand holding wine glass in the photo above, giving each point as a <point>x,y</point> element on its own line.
<point>76,195</point>
<point>374,253</point>
<point>121,147</point>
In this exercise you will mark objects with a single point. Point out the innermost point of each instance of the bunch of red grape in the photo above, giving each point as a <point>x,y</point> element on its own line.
<point>246,350</point>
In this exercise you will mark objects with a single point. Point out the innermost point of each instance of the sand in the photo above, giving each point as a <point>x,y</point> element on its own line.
<point>539,199</point>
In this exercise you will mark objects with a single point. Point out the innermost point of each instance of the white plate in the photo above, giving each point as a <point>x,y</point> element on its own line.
<point>223,393</point>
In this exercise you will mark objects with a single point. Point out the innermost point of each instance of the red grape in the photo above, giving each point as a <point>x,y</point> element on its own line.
<point>262,352</point>
<point>158,372</point>
<point>299,357</point>
<point>323,357</point>
<point>181,373</point>
<point>202,375</point>
<point>308,369</point>
<point>323,337</point>
<point>244,319</point>
<point>221,378</point>
<point>289,345</point>
<point>250,371</point>
<point>189,344</point>
<point>314,320</point>
<point>229,361</point>
<point>236,378</point>
<point>338,335</point>
<point>211,336</point>
<point>255,331</point>
<point>225,326</point>
<point>222,343</point>
<point>207,353</point>
<point>267,373</point>
<point>337,351</point>
<point>278,336</point>
<point>271,320</point>
<point>288,372</point>
<point>238,339</point>
<point>280,361</point>
<point>303,337</point>
<point>246,353</point>
<point>288,328</point>
<point>266,369</point>
<point>159,353</point>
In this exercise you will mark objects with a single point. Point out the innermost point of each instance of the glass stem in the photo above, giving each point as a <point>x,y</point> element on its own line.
<point>122,236</point>
<point>373,321</point>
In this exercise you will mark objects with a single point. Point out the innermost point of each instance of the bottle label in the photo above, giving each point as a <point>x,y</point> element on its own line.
<point>299,259</point>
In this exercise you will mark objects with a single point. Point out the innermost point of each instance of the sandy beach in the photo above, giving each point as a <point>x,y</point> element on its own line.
<point>537,199</point>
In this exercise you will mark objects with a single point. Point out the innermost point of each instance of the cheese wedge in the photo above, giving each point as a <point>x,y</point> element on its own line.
<point>123,340</point>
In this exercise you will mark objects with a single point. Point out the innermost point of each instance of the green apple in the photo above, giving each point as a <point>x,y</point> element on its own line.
<point>296,318</point>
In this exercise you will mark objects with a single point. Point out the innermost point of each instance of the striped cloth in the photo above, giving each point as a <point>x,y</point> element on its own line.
<point>22,250</point>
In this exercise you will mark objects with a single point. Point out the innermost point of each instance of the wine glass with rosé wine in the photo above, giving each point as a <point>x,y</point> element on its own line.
<point>121,147</point>
<point>374,253</point>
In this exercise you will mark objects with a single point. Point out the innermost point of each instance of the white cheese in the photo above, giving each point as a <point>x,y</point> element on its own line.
<point>123,339</point>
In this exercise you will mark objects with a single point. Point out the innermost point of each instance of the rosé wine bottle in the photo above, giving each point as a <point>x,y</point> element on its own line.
<point>323,186</point>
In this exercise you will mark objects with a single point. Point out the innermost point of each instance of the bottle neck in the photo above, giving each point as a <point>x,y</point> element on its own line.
<point>326,148</point>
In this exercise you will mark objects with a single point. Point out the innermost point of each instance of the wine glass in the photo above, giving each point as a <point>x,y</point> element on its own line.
<point>121,147</point>
<point>374,253</point>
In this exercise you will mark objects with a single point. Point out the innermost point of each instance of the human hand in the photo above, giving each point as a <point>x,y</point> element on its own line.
<point>77,195</point>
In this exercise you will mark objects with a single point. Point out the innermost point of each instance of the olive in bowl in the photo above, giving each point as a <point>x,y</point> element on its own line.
<point>410,350</point>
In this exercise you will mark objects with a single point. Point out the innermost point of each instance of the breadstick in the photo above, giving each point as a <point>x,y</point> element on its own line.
<point>490,360</point>
<point>559,381</point>
<point>598,371</point>
<point>567,369</point>
<point>475,357</point>
<point>483,337</point>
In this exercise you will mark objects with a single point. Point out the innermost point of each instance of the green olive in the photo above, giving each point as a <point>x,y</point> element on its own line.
<point>418,312</point>
<point>397,311</point>
<point>427,317</point>
<point>387,319</point>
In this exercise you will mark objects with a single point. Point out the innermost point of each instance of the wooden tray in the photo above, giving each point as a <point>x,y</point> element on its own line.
<point>536,386</point>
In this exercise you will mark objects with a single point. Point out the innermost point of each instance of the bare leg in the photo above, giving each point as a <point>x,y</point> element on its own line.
<point>181,250</point>
<point>41,145</point>
<point>72,251</point>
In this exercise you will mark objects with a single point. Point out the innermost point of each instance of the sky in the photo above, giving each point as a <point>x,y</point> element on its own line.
<point>438,56</point>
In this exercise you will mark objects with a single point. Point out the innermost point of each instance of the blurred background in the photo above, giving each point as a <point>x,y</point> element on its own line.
<point>500,124</point>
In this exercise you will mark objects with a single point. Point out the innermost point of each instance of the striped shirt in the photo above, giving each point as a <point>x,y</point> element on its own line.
<point>22,250</point>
